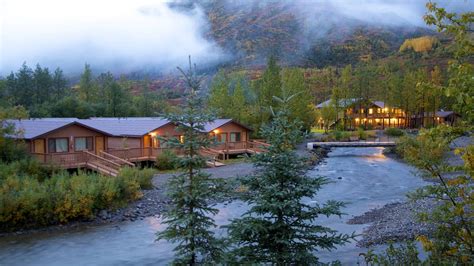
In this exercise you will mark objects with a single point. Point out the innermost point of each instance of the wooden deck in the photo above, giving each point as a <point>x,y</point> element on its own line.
<point>334,144</point>
<point>110,161</point>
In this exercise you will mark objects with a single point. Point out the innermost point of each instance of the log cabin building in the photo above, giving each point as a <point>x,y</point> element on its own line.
<point>106,144</point>
<point>355,113</point>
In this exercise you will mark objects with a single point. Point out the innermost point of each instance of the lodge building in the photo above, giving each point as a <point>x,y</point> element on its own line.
<point>106,144</point>
<point>355,113</point>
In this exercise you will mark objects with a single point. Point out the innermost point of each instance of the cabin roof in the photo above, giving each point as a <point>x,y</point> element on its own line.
<point>221,122</point>
<point>119,127</point>
<point>348,102</point>
<point>127,126</point>
<point>32,128</point>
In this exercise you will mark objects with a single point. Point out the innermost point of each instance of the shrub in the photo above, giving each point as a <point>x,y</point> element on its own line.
<point>143,176</point>
<point>394,132</point>
<point>362,134</point>
<point>341,135</point>
<point>33,200</point>
<point>166,160</point>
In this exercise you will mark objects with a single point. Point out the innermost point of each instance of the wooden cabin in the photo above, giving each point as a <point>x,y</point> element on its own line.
<point>427,119</point>
<point>106,144</point>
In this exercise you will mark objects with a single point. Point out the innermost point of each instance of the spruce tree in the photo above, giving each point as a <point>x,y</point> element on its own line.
<point>187,219</point>
<point>280,226</point>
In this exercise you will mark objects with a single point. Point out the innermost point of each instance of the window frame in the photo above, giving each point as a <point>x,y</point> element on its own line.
<point>55,146</point>
<point>239,139</point>
<point>91,138</point>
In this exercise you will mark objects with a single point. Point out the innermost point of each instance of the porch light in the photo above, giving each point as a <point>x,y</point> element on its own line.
<point>153,134</point>
<point>385,110</point>
<point>216,131</point>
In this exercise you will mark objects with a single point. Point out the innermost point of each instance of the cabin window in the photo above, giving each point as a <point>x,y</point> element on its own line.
<point>58,145</point>
<point>235,137</point>
<point>181,139</point>
<point>83,144</point>
<point>222,137</point>
<point>371,111</point>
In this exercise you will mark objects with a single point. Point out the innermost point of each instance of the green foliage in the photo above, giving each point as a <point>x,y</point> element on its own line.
<point>460,83</point>
<point>394,132</point>
<point>452,241</point>
<point>187,219</point>
<point>166,160</point>
<point>142,176</point>
<point>279,228</point>
<point>403,254</point>
<point>362,134</point>
<point>10,149</point>
<point>32,196</point>
<point>340,135</point>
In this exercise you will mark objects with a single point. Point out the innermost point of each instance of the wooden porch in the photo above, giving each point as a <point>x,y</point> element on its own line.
<point>110,161</point>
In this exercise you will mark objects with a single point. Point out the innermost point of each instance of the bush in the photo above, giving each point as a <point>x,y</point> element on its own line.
<point>341,135</point>
<point>166,160</point>
<point>143,176</point>
<point>33,200</point>
<point>394,132</point>
<point>362,134</point>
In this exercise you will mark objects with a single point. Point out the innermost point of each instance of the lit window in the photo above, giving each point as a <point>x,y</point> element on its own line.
<point>371,111</point>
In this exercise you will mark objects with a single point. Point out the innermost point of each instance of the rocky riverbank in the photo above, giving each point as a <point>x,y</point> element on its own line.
<point>393,222</point>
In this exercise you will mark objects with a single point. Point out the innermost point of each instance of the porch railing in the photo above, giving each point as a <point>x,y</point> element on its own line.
<point>126,156</point>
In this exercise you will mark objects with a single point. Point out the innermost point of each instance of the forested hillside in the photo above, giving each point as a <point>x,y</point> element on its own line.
<point>322,51</point>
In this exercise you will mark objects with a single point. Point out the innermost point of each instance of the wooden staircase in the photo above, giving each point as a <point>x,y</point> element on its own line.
<point>212,157</point>
<point>107,166</point>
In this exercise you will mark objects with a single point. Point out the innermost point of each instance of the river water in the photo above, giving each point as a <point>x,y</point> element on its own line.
<point>363,178</point>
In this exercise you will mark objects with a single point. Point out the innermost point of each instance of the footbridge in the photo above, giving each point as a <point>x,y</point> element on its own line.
<point>334,144</point>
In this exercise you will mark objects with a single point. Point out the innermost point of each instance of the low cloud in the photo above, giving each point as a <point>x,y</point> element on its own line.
<point>116,35</point>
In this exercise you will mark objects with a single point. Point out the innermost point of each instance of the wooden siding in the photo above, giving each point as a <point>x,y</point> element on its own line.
<point>69,132</point>
<point>123,143</point>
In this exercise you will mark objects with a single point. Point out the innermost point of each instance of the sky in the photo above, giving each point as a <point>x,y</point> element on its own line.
<point>117,34</point>
<point>127,35</point>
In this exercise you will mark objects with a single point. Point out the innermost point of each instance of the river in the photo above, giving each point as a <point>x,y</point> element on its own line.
<point>362,177</point>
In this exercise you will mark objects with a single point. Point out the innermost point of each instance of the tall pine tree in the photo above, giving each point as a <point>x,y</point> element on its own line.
<point>280,226</point>
<point>187,219</point>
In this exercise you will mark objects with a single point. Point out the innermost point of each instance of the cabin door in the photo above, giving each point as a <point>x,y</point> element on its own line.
<point>146,141</point>
<point>39,146</point>
<point>99,144</point>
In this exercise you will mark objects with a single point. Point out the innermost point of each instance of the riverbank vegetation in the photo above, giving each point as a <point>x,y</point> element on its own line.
<point>32,195</point>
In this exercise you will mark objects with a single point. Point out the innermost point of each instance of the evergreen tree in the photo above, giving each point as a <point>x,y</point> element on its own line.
<point>280,226</point>
<point>187,220</point>
<point>86,85</point>
<point>43,84</point>
<point>59,85</point>
<point>23,89</point>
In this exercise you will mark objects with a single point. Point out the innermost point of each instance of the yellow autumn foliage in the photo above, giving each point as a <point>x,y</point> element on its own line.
<point>419,45</point>
<point>25,201</point>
